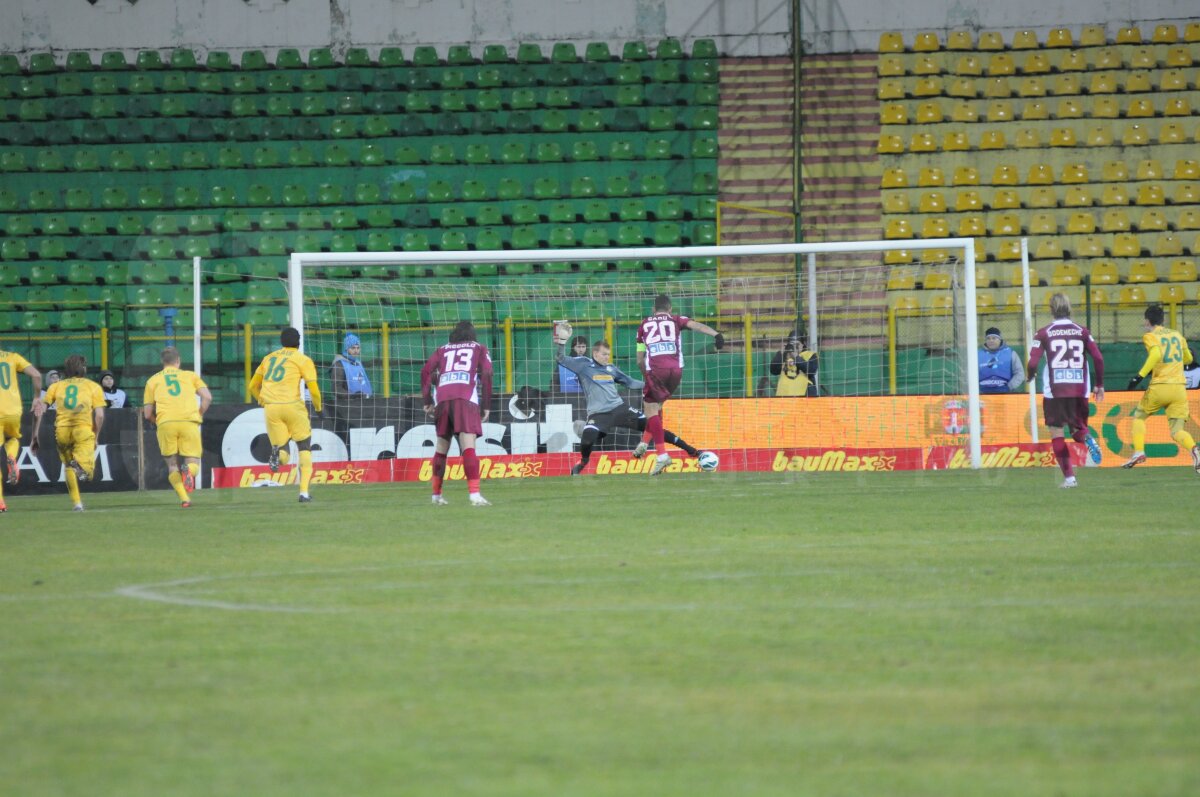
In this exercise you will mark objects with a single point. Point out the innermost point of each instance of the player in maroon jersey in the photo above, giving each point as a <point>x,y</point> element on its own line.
<point>456,384</point>
<point>660,358</point>
<point>1066,381</point>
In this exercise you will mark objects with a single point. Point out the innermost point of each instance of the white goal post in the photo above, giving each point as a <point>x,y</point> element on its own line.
<point>962,251</point>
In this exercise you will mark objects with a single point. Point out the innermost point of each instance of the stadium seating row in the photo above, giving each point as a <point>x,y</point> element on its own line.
<point>1090,36</point>
<point>1038,173</point>
<point>1133,134</point>
<point>1122,244</point>
<point>1042,223</point>
<point>1106,59</point>
<point>1099,272</point>
<point>965,200</point>
<point>1013,301</point>
<point>998,111</point>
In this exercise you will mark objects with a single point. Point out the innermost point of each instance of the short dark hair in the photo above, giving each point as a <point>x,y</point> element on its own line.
<point>1154,314</point>
<point>75,366</point>
<point>662,302</point>
<point>170,356</point>
<point>463,331</point>
<point>600,343</point>
<point>579,339</point>
<point>289,338</point>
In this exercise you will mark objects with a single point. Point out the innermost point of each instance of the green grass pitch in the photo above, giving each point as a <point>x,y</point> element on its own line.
<point>949,633</point>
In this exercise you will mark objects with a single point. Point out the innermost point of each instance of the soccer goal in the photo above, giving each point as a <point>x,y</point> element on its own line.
<point>892,377</point>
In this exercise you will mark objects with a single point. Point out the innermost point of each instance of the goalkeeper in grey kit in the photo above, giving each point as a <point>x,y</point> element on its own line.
<point>606,408</point>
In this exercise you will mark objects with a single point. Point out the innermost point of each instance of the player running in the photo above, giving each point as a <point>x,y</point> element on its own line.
<point>176,400</point>
<point>456,384</point>
<point>1067,385</point>
<point>11,408</point>
<point>660,359</point>
<point>80,414</point>
<point>1166,353</point>
<point>606,408</point>
<point>276,386</point>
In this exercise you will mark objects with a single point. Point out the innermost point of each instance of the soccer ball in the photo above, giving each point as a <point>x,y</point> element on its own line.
<point>708,460</point>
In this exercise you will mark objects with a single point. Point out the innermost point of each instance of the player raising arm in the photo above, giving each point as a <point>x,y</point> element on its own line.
<point>1166,353</point>
<point>456,384</point>
<point>660,359</point>
<point>276,386</point>
<point>11,408</point>
<point>77,423</point>
<point>1066,382</point>
<point>606,408</point>
<point>176,400</point>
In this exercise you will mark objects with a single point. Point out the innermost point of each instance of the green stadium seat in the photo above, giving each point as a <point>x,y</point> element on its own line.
<point>561,213</point>
<point>337,155</point>
<point>509,188</point>
<point>617,186</point>
<point>30,88</point>
<point>254,60</point>
<point>272,221</point>
<point>295,195</point>
<point>320,58</point>
<point>130,224</point>
<point>546,188</point>
<point>704,48</point>
<point>368,194</point>
<point>495,54</point>
<point>78,61</point>
<point>631,210</point>
<point>280,105</point>
<point>78,199</point>
<point>425,56</point>
<point>183,58</point>
<point>596,211</point>
<point>41,199</point>
<point>595,237</point>
<point>52,249</point>
<point>391,57</point>
<point>625,120</point>
<point>597,51</point>
<point>548,152</point>
<point>669,49</point>
<point>525,213</point>
<point>525,238</point>
<point>258,195</point>
<point>529,53</point>
<point>329,194</point>
<point>288,58</point>
<point>218,61</point>
<point>634,51</point>
<point>42,64</point>
<point>475,191</point>
<point>489,215</point>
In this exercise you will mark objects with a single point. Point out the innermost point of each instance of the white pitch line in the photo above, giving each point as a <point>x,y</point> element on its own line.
<point>152,592</point>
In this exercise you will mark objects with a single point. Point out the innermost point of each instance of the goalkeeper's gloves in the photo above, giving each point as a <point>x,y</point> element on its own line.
<point>719,341</point>
<point>1134,381</point>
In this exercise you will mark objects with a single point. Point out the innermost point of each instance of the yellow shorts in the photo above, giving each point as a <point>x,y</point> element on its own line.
<point>1173,397</point>
<point>77,443</point>
<point>10,426</point>
<point>180,437</point>
<point>287,422</point>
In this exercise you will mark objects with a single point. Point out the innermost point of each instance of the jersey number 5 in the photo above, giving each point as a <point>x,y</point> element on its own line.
<point>172,384</point>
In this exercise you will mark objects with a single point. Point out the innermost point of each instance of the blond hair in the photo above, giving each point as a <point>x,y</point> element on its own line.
<point>1060,306</point>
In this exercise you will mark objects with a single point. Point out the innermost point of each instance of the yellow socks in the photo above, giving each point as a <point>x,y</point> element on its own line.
<point>1185,440</point>
<point>176,481</point>
<point>305,470</point>
<point>12,446</point>
<point>73,486</point>
<point>193,469</point>
<point>1139,434</point>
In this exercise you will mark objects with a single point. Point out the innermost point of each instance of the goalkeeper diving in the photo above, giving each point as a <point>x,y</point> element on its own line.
<point>606,408</point>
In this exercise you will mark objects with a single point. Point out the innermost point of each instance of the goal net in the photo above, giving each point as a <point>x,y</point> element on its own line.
<point>873,347</point>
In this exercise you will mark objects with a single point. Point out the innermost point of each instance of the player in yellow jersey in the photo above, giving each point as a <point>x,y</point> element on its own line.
<point>176,400</point>
<point>1166,354</point>
<point>11,409</point>
<point>77,421</point>
<point>276,386</point>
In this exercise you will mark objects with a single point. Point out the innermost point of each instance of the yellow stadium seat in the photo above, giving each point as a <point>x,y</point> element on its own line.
<point>1035,110</point>
<point>1014,300</point>
<point>1073,61</point>
<point>923,142</point>
<point>1006,174</point>
<point>1140,108</point>
<point>984,301</point>
<point>891,41</point>
<point>1066,85</point>
<point>1088,246</point>
<point>1142,271</point>
<point>928,87</point>
<point>1042,198</point>
<point>929,113</point>
<point>1142,58</point>
<point>1114,171</point>
<point>1191,32</point>
<point>1138,82</point>
<point>1075,173</point>
<point>1149,169</point>
<point>1152,221</point>
<point>1092,36</point>
<point>1171,294</point>
<point>890,66</point>
<point>992,139</point>
<point>1024,40</point>
<point>1129,35</point>
<point>1177,106</point>
<point>906,304</point>
<point>1043,224</point>
<point>968,200</point>
<point>1187,194</point>
<point>963,112</point>
<point>1106,108</point>
<point>1132,294</point>
<point>1040,174</point>
<point>894,178</point>
<point>927,65</point>
<point>936,280</point>
<point>1171,133</point>
<point>990,40</point>
<point>1005,199</point>
<point>1105,272</point>
<point>1103,83</point>
<point>997,87</point>
<point>1182,270</point>
<point>891,89</point>
<point>1099,296</point>
<point>960,40</point>
<point>1114,194</point>
<point>930,176</point>
<point>1168,245</point>
<point>1081,224</point>
<point>1195,250</point>
<point>898,228</point>
<point>969,65</point>
<point>962,87</point>
<point>1165,34</point>
<point>1126,244</point>
<point>1001,64</point>
<point>1135,135</point>
<point>1066,274</point>
<point>942,303</point>
<point>1036,64</point>
<point>1069,108</point>
<point>935,227</point>
<point>926,42</point>
<point>935,256</point>
<point>1099,136</point>
<point>897,256</point>
<point>1188,220</point>
<point>1048,249</point>
<point>1151,194</point>
<point>901,279</point>
<point>1115,220</point>
<point>1032,87</point>
<point>1000,111</point>
<point>932,202</point>
<point>1059,37</point>
<point>970,225</point>
<point>895,202</point>
<point>1172,80</point>
<point>893,114</point>
<point>1006,224</point>
<point>890,144</point>
<point>1078,196</point>
<point>1107,58</point>
<point>1063,137</point>
<point>1178,57</point>
<point>955,141</point>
